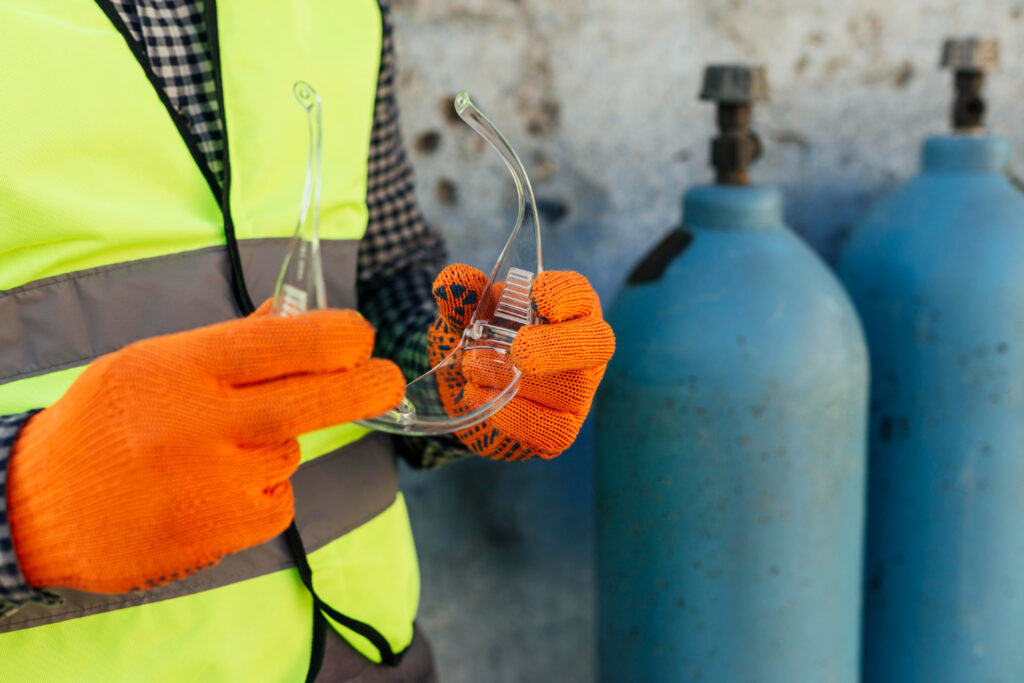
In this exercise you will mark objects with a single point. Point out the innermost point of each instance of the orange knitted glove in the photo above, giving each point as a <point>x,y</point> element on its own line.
<point>562,363</point>
<point>175,451</point>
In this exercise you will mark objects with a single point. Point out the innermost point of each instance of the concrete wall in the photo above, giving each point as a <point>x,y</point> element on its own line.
<point>599,98</point>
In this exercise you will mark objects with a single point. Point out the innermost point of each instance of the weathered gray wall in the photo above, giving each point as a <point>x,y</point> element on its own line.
<point>599,99</point>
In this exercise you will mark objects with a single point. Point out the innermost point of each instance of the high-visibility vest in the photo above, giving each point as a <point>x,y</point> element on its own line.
<point>112,230</point>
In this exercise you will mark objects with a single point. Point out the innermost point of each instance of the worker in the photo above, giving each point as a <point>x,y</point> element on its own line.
<point>159,520</point>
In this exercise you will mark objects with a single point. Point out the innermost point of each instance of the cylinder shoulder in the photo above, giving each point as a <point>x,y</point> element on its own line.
<point>967,228</point>
<point>762,300</point>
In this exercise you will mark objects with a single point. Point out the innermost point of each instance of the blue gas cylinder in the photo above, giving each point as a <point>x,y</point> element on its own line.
<point>936,272</point>
<point>730,456</point>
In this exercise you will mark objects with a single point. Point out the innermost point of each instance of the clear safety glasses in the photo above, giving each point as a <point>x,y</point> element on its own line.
<point>477,377</point>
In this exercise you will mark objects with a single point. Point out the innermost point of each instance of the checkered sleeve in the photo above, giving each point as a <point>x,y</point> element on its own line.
<point>14,590</point>
<point>399,255</point>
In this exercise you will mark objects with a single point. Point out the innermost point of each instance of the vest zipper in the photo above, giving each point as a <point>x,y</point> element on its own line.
<point>238,287</point>
<point>221,192</point>
<point>321,609</point>
<point>180,122</point>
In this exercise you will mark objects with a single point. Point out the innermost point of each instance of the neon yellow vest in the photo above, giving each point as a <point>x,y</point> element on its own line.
<point>111,231</point>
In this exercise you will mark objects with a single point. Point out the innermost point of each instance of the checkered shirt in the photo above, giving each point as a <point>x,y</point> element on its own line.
<point>14,590</point>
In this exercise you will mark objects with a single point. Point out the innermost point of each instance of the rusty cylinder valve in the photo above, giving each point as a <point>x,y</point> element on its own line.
<point>971,59</point>
<point>734,88</point>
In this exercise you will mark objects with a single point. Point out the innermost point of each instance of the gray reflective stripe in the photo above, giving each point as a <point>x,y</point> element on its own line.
<point>334,494</point>
<point>67,320</point>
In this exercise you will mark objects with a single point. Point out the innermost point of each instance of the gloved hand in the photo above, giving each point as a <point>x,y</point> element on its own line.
<point>175,451</point>
<point>562,362</point>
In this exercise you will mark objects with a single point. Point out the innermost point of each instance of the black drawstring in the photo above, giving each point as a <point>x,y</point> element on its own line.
<point>316,660</point>
<point>321,610</point>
